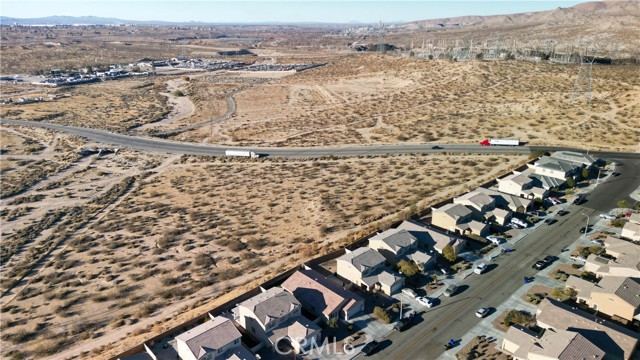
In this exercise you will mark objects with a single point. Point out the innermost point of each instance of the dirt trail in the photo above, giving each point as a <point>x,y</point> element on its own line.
<point>181,106</point>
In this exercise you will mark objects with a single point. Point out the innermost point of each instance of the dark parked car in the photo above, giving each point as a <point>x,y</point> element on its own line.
<point>549,221</point>
<point>402,324</point>
<point>562,212</point>
<point>584,230</point>
<point>370,347</point>
<point>579,200</point>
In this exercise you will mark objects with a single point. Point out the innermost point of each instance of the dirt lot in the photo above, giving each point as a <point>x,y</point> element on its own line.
<point>101,242</point>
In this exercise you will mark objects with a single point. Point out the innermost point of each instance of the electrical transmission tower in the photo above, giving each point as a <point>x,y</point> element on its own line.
<point>582,87</point>
<point>381,45</point>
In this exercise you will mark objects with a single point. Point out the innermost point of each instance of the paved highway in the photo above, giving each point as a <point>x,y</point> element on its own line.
<point>173,147</point>
<point>455,316</point>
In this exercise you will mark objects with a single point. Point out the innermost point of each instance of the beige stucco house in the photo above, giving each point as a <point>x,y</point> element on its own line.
<point>556,168</point>
<point>459,219</point>
<point>616,341</point>
<point>631,230</point>
<point>614,295</point>
<point>398,244</point>
<point>523,344</point>
<point>365,268</point>
<point>322,296</point>
<point>430,238</point>
<point>218,339</point>
<point>626,262</point>
<point>520,184</point>
<point>274,317</point>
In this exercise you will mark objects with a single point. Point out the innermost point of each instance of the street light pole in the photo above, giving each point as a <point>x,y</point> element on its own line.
<point>587,228</point>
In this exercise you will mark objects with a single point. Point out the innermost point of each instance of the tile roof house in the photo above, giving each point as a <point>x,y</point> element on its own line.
<point>458,218</point>
<point>483,207</point>
<point>321,296</point>
<point>547,182</point>
<point>626,262</point>
<point>214,340</point>
<point>398,244</point>
<point>617,296</point>
<point>275,315</point>
<point>432,238</point>
<point>523,344</point>
<point>507,201</point>
<point>553,167</point>
<point>575,158</point>
<point>365,268</point>
<point>520,184</point>
<point>617,342</point>
<point>631,230</point>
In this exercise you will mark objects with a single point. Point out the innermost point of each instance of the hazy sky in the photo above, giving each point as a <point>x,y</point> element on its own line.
<point>272,11</point>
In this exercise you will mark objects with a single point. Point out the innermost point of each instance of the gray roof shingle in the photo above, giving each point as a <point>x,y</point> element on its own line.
<point>210,336</point>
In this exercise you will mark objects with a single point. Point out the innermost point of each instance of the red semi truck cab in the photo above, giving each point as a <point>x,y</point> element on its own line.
<point>485,142</point>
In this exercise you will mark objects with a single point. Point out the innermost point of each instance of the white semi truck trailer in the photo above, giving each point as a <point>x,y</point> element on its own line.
<point>245,153</point>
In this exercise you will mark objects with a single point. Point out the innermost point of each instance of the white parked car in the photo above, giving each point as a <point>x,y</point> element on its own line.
<point>608,216</point>
<point>480,268</point>
<point>597,242</point>
<point>410,293</point>
<point>518,222</point>
<point>578,258</point>
<point>425,301</point>
<point>495,239</point>
<point>482,312</point>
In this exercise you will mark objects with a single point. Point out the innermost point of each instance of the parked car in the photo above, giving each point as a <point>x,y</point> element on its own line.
<point>402,324</point>
<point>579,200</point>
<point>562,212</point>
<point>410,293</point>
<point>608,216</point>
<point>425,301</point>
<point>578,258</point>
<point>480,268</point>
<point>450,290</point>
<point>539,265</point>
<point>597,242</point>
<point>370,347</point>
<point>535,213</point>
<point>445,271</point>
<point>584,230</point>
<point>550,221</point>
<point>495,239</point>
<point>519,222</point>
<point>482,312</point>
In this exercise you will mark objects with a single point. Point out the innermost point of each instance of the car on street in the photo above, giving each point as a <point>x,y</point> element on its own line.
<point>410,293</point>
<point>370,347</point>
<point>450,290</point>
<point>480,268</point>
<point>436,147</point>
<point>550,221</point>
<point>579,200</point>
<point>584,230</point>
<point>482,312</point>
<point>494,239</point>
<point>540,264</point>
<point>562,212</point>
<point>402,324</point>
<point>425,301</point>
<point>608,216</point>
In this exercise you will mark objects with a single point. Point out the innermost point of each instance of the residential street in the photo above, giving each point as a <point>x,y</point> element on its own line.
<point>455,316</point>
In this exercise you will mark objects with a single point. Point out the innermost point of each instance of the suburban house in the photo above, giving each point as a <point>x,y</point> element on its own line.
<point>506,201</point>
<point>524,344</point>
<point>626,262</point>
<point>616,341</point>
<point>559,169</point>
<point>520,184</point>
<point>631,230</point>
<point>432,239</point>
<point>616,296</point>
<point>275,316</point>
<point>396,245</point>
<point>483,207</point>
<point>577,158</point>
<point>547,182</point>
<point>323,297</point>
<point>218,339</point>
<point>365,268</point>
<point>459,219</point>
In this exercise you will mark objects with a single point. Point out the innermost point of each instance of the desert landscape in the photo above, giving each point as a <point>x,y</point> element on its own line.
<point>103,247</point>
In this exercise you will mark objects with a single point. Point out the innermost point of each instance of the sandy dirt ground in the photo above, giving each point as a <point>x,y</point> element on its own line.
<point>121,262</point>
<point>181,106</point>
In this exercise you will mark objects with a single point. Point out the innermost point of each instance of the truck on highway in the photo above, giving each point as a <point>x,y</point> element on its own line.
<point>500,142</point>
<point>245,153</point>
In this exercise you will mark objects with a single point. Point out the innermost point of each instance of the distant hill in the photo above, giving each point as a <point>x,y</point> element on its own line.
<point>85,20</point>
<point>590,11</point>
